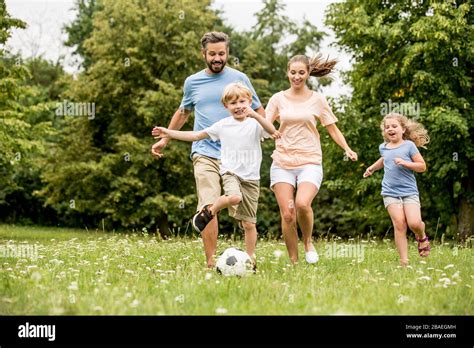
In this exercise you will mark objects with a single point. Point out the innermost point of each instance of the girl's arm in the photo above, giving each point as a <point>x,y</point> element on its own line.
<point>418,165</point>
<point>338,137</point>
<point>266,124</point>
<point>374,167</point>
<point>162,132</point>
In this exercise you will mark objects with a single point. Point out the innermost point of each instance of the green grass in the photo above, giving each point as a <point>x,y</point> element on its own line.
<point>79,272</point>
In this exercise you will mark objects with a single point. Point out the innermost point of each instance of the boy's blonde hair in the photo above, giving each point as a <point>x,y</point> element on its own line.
<point>234,91</point>
<point>414,131</point>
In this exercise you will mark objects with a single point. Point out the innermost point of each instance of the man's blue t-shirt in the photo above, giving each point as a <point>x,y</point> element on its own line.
<point>203,93</point>
<point>398,181</point>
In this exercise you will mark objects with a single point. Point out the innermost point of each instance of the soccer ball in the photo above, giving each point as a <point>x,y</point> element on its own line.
<point>234,262</point>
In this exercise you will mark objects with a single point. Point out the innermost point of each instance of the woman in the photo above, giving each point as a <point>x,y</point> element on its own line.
<point>296,173</point>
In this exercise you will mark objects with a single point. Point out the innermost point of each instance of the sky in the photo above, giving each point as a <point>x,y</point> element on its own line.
<point>46,18</point>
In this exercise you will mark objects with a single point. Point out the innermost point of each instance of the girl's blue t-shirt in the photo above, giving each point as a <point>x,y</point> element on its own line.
<point>202,93</point>
<point>398,181</point>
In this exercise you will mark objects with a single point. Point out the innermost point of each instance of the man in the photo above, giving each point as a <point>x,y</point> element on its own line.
<point>202,93</point>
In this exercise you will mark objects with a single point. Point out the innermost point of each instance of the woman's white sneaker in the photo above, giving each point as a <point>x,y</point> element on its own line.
<point>312,256</point>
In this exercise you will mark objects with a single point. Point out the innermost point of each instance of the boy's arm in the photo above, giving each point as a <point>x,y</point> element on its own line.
<point>266,124</point>
<point>177,121</point>
<point>165,133</point>
<point>374,167</point>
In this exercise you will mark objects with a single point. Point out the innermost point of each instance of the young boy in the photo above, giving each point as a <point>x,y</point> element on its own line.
<point>241,156</point>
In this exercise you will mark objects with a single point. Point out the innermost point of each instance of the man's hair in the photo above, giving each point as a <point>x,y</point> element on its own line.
<point>234,91</point>
<point>214,37</point>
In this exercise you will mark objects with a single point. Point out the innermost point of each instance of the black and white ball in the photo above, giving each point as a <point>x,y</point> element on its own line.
<point>234,262</point>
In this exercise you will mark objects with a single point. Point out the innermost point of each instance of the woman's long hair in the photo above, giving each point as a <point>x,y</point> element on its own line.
<point>317,65</point>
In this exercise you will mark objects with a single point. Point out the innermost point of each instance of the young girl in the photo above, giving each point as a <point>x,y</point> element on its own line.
<point>296,173</point>
<point>400,158</point>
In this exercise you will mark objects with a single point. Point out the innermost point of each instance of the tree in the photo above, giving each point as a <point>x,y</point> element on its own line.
<point>140,54</point>
<point>23,129</point>
<point>416,53</point>
<point>81,29</point>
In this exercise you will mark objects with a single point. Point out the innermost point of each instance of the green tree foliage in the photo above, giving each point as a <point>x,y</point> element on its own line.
<point>24,129</point>
<point>140,53</point>
<point>419,53</point>
<point>81,29</point>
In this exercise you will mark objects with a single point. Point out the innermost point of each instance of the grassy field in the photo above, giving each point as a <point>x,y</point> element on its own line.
<point>79,272</point>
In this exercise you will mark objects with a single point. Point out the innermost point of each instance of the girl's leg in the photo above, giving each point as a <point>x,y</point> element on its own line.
<point>304,197</point>
<point>284,194</point>
<point>397,215</point>
<point>413,216</point>
<point>250,238</point>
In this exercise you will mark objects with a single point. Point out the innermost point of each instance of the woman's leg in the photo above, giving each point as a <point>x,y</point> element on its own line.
<point>413,217</point>
<point>304,197</point>
<point>397,215</point>
<point>284,194</point>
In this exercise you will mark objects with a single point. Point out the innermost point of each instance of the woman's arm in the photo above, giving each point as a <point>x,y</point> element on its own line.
<point>162,132</point>
<point>418,165</point>
<point>374,167</point>
<point>338,137</point>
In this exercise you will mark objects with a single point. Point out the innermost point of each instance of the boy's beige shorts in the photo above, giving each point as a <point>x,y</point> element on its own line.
<point>208,187</point>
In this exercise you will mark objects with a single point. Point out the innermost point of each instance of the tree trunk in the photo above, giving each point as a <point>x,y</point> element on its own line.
<point>163,226</point>
<point>466,206</point>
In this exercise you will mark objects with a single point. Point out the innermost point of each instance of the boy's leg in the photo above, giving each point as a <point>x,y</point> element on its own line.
<point>246,213</point>
<point>206,174</point>
<point>224,202</point>
<point>250,229</point>
<point>232,194</point>
<point>397,215</point>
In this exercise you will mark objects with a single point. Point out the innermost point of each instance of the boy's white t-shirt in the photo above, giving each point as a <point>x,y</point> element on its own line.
<point>241,153</point>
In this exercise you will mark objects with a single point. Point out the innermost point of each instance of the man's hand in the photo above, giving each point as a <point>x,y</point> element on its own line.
<point>157,148</point>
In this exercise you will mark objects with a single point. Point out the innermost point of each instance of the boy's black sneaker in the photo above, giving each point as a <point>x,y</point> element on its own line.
<point>202,218</point>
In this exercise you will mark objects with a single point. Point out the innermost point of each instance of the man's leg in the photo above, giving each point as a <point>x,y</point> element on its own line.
<point>206,174</point>
<point>209,238</point>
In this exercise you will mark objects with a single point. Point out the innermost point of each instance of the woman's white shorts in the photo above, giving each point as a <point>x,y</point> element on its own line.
<point>312,173</point>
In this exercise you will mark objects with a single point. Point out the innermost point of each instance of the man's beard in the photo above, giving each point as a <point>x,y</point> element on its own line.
<point>216,68</point>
